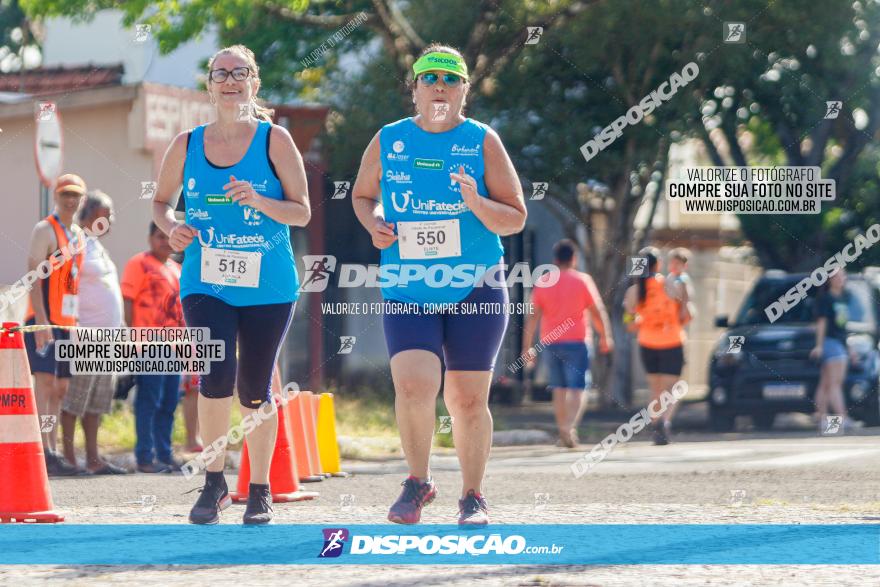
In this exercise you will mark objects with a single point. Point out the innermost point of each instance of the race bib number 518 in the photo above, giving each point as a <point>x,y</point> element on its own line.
<point>235,268</point>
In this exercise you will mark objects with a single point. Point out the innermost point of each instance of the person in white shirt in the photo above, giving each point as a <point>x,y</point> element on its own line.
<point>100,305</point>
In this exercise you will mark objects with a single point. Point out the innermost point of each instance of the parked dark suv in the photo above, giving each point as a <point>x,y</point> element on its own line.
<point>769,371</point>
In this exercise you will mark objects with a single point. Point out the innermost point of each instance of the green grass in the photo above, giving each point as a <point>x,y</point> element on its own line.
<point>366,415</point>
<point>116,433</point>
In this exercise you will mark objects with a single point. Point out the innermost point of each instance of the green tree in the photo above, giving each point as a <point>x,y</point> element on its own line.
<point>766,105</point>
<point>17,32</point>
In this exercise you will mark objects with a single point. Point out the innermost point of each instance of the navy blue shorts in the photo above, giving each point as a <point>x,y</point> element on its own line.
<point>464,339</point>
<point>255,331</point>
<point>46,363</point>
<point>569,364</point>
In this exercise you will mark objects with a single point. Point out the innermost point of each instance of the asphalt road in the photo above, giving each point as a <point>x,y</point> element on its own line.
<point>791,476</point>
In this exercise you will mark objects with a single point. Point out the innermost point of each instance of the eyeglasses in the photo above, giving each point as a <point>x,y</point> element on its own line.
<point>239,74</point>
<point>450,79</point>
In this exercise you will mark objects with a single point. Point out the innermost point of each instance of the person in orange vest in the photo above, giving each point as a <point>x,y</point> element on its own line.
<point>54,300</point>
<point>654,309</point>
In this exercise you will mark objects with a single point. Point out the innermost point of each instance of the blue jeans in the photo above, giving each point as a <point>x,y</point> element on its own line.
<point>569,364</point>
<point>154,407</point>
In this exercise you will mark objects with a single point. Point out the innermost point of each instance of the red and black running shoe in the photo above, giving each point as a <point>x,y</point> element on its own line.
<point>415,495</point>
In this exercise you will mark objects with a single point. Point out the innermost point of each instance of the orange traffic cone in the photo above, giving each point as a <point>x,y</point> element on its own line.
<point>304,460</point>
<point>309,416</point>
<point>24,484</point>
<point>283,480</point>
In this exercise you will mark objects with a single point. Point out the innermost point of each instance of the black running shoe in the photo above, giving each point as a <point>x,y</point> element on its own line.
<point>213,499</point>
<point>57,465</point>
<point>172,464</point>
<point>659,437</point>
<point>259,505</point>
<point>473,509</point>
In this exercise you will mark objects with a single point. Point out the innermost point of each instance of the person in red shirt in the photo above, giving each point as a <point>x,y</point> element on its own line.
<point>565,310</point>
<point>151,294</point>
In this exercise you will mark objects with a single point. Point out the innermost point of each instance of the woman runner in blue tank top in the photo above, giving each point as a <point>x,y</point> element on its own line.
<point>435,193</point>
<point>244,187</point>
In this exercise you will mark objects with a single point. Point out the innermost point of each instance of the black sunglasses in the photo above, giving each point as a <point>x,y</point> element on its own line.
<point>239,74</point>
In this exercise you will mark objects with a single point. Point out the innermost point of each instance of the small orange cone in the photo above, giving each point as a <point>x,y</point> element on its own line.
<point>311,429</point>
<point>24,484</point>
<point>283,481</point>
<point>304,463</point>
<point>328,444</point>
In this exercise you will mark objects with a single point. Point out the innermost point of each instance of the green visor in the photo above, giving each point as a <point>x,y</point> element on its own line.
<point>440,62</point>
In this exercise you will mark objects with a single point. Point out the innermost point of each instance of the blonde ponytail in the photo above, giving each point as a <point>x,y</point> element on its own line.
<point>261,112</point>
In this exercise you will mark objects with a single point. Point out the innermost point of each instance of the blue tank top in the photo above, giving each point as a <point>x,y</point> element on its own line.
<point>224,224</point>
<point>416,187</point>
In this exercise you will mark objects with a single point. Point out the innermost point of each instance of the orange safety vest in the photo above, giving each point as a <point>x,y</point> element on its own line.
<point>660,326</point>
<point>63,286</point>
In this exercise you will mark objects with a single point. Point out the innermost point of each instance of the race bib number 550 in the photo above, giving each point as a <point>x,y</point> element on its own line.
<point>429,239</point>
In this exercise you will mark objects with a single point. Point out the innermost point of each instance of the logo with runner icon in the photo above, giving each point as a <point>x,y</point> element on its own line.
<point>47,423</point>
<point>832,425</point>
<point>440,111</point>
<point>318,270</point>
<point>539,190</point>
<point>340,189</point>
<point>334,540</point>
<point>148,190</point>
<point>346,345</point>
<point>533,34</point>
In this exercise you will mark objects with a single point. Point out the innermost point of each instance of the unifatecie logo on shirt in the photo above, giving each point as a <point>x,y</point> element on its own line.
<point>406,202</point>
<point>230,241</point>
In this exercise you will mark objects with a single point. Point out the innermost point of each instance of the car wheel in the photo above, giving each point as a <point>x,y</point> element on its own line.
<point>873,416</point>
<point>722,422</point>
<point>763,421</point>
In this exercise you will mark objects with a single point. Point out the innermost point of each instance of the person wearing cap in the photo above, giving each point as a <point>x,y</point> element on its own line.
<point>53,300</point>
<point>435,192</point>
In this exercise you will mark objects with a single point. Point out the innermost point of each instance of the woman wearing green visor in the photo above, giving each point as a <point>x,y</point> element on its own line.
<point>436,191</point>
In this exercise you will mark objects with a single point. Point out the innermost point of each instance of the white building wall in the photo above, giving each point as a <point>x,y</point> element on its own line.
<point>104,41</point>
